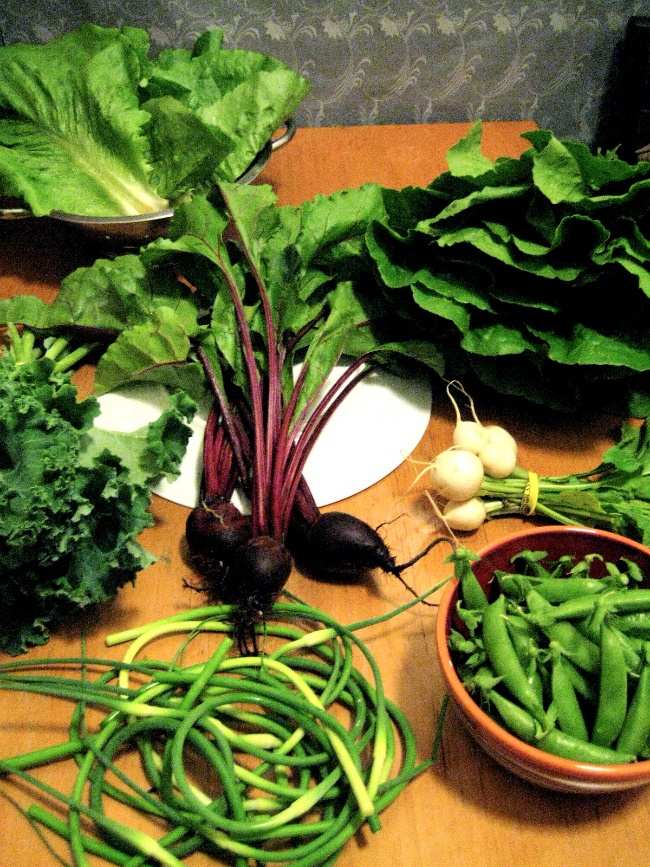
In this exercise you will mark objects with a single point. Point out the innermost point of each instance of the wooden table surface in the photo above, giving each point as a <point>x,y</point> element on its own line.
<point>466,811</point>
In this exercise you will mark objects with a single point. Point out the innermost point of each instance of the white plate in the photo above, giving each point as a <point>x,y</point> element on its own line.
<point>371,432</point>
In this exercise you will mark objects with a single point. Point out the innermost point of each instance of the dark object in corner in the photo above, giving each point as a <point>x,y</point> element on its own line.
<point>635,90</point>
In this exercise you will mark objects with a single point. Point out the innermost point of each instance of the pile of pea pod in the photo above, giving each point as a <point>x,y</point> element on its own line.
<point>560,657</point>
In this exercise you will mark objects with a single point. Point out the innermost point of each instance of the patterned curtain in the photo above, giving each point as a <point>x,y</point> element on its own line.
<point>396,61</point>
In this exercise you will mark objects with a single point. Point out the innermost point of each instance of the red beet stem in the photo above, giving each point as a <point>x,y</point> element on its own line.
<point>305,505</point>
<point>282,451</point>
<point>219,477</point>
<point>312,429</point>
<point>262,487</point>
<point>258,511</point>
<point>225,409</point>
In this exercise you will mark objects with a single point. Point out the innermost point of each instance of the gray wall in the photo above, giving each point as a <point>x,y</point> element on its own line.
<point>395,61</point>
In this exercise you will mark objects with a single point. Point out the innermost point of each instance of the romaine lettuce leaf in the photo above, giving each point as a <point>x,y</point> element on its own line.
<point>72,134</point>
<point>91,124</point>
<point>241,96</point>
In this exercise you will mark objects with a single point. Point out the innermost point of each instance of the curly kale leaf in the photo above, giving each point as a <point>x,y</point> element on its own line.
<point>72,499</point>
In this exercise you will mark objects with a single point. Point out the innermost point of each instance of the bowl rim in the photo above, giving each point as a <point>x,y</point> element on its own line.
<point>526,754</point>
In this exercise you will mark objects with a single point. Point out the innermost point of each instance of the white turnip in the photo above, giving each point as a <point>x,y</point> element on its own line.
<point>456,474</point>
<point>464,515</point>
<point>494,445</point>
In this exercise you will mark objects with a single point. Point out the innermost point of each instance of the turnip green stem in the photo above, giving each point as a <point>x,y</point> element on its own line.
<point>27,345</point>
<point>56,347</point>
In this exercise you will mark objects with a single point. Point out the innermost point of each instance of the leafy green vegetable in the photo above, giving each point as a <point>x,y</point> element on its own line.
<point>91,124</point>
<point>73,498</point>
<point>72,130</point>
<point>152,310</point>
<point>143,350</point>
<point>240,96</point>
<point>530,275</point>
<point>546,257</point>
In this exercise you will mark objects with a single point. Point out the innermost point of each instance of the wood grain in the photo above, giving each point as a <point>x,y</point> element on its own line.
<point>467,811</point>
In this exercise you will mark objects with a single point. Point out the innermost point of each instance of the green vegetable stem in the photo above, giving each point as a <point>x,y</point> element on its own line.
<point>295,782</point>
<point>614,495</point>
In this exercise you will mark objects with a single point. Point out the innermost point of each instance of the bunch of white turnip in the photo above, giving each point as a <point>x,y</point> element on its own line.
<point>458,472</point>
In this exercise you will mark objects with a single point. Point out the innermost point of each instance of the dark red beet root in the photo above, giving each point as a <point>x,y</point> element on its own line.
<point>215,529</point>
<point>257,573</point>
<point>251,582</point>
<point>339,544</point>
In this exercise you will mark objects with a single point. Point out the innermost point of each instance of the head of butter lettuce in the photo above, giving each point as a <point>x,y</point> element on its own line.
<point>91,123</point>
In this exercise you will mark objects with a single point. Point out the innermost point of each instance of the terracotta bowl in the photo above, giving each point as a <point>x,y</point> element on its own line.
<point>526,761</point>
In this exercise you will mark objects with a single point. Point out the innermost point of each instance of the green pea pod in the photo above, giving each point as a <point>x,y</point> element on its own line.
<point>543,613</point>
<point>580,650</point>
<point>522,637</point>
<point>632,649</point>
<point>573,644</point>
<point>577,607</point>
<point>473,595</point>
<point>592,624</point>
<point>636,728</point>
<point>516,719</point>
<point>569,713</point>
<point>514,586</point>
<point>633,571</point>
<point>635,599</point>
<point>503,657</point>
<point>534,561</point>
<point>612,689</point>
<point>523,725</point>
<point>557,590</point>
<point>522,624</point>
<point>636,624</point>
<point>568,747</point>
<point>537,604</point>
<point>526,649</point>
<point>580,683</point>
<point>632,645</point>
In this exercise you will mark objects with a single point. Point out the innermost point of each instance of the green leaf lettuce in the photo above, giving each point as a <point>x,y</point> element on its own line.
<point>91,124</point>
